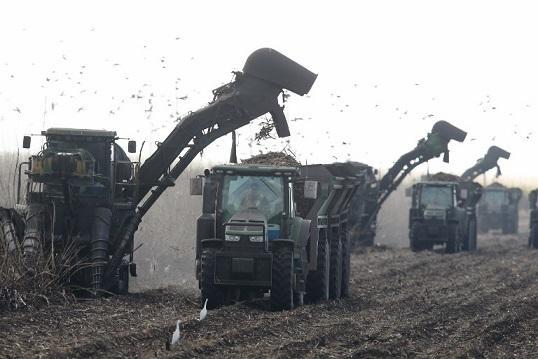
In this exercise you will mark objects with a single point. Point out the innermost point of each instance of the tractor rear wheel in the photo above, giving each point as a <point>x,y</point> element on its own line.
<point>282,278</point>
<point>318,280</point>
<point>453,241</point>
<point>215,295</point>
<point>335,272</point>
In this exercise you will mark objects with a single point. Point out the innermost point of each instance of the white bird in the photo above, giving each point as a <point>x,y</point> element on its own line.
<point>175,336</point>
<point>203,312</point>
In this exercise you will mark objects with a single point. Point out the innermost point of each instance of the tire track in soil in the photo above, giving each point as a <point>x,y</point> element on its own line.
<point>403,304</point>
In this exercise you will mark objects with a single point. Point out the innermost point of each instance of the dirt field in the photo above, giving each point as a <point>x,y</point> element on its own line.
<point>402,304</point>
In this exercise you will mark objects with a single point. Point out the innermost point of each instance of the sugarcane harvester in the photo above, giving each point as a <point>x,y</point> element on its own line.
<point>435,144</point>
<point>83,188</point>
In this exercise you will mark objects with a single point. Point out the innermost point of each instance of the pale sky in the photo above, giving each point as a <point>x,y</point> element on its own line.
<point>387,71</point>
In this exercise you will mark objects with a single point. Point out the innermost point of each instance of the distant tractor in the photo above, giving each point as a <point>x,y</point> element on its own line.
<point>498,209</point>
<point>440,214</point>
<point>251,239</point>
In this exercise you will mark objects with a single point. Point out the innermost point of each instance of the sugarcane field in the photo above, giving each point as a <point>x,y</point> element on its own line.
<point>336,180</point>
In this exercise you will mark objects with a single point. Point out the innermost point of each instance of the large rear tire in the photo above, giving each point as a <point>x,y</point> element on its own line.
<point>282,278</point>
<point>318,280</point>
<point>453,241</point>
<point>469,241</point>
<point>215,295</point>
<point>335,272</point>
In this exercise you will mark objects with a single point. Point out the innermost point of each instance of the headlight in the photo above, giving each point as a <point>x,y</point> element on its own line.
<point>231,238</point>
<point>256,238</point>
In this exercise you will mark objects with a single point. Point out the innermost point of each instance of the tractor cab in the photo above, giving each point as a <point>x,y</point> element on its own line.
<point>433,199</point>
<point>253,198</point>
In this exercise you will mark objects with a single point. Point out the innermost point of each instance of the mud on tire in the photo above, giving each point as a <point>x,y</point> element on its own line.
<point>282,278</point>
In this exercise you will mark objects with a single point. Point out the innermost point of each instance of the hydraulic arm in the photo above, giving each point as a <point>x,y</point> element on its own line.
<point>486,163</point>
<point>253,93</point>
<point>435,144</point>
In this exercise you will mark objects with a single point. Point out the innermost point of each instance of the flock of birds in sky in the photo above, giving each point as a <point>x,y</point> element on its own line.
<point>146,97</point>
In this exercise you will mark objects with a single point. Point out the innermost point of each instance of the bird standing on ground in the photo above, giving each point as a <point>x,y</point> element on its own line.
<point>175,336</point>
<point>203,312</point>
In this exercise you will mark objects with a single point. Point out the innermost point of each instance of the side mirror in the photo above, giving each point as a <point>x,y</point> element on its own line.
<point>131,147</point>
<point>408,191</point>
<point>311,189</point>
<point>196,186</point>
<point>464,194</point>
<point>26,141</point>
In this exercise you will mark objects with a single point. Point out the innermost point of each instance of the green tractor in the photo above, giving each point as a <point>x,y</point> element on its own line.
<point>273,229</point>
<point>442,212</point>
<point>498,209</point>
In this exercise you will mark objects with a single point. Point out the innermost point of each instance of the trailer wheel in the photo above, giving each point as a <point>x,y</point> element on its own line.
<point>346,267</point>
<point>533,238</point>
<point>282,278</point>
<point>335,272</point>
<point>453,242</point>
<point>318,280</point>
<point>215,295</point>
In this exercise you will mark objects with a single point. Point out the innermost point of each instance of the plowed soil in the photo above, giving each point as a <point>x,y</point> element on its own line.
<point>402,304</point>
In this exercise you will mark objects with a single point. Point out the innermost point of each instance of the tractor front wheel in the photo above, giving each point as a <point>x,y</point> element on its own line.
<point>282,278</point>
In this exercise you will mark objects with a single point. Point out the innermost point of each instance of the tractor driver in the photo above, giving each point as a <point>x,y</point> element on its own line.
<point>254,197</point>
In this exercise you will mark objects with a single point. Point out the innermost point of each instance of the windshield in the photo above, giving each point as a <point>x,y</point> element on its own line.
<point>262,193</point>
<point>436,197</point>
<point>495,199</point>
